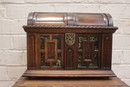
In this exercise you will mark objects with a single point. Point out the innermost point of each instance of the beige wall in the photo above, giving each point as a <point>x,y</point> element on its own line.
<point>13,14</point>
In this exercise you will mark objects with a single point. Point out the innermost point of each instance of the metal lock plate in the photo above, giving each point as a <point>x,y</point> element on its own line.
<point>70,38</point>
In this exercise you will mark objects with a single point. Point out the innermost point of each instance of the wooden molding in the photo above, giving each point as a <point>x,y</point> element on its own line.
<point>69,73</point>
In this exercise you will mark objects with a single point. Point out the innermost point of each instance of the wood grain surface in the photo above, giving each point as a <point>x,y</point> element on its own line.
<point>77,82</point>
<point>69,73</point>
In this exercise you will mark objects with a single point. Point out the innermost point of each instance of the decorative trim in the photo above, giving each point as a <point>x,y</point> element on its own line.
<point>70,38</point>
<point>65,26</point>
<point>69,73</point>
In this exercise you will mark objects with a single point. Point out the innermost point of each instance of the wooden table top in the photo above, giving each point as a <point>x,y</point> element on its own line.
<point>69,82</point>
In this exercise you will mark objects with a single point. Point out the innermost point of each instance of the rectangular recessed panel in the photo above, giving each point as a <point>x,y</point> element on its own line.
<point>50,51</point>
<point>88,51</point>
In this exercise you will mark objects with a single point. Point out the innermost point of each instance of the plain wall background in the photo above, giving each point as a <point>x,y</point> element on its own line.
<point>13,15</point>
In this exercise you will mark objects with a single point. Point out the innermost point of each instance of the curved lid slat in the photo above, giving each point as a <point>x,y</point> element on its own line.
<point>70,19</point>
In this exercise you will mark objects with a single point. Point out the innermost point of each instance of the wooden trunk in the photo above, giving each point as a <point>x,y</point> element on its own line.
<point>69,45</point>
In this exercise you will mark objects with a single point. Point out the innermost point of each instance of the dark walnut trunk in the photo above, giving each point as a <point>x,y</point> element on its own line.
<point>69,45</point>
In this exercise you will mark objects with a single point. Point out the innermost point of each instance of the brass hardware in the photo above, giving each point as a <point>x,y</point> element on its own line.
<point>70,38</point>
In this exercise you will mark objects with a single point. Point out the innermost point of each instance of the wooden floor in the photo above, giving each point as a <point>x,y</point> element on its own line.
<point>68,73</point>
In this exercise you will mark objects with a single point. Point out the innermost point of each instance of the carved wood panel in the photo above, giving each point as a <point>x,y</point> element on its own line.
<point>51,51</point>
<point>88,51</point>
<point>70,50</point>
<point>85,53</point>
<point>106,51</point>
<point>31,52</point>
<point>89,47</point>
